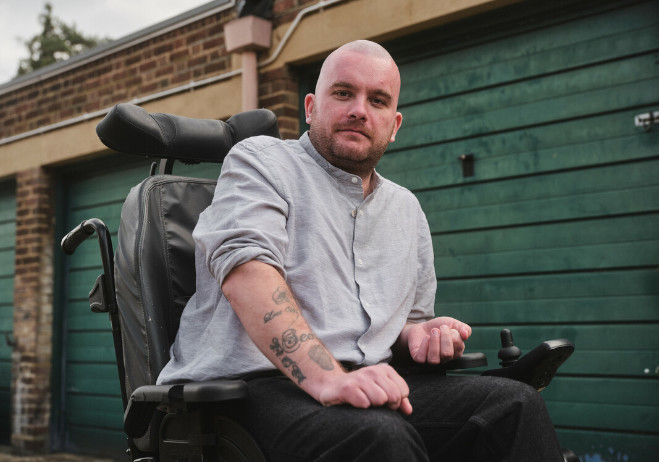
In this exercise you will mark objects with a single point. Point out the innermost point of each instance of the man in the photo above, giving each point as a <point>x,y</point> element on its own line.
<point>313,271</point>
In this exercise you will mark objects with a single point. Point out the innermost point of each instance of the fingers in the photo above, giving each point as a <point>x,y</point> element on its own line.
<point>463,329</point>
<point>370,386</point>
<point>420,353</point>
<point>440,345</point>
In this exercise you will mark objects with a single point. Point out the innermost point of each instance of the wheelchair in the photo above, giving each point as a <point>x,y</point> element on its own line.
<point>146,284</point>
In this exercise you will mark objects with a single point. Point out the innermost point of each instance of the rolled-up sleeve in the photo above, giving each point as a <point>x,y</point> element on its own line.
<point>247,217</point>
<point>424,302</point>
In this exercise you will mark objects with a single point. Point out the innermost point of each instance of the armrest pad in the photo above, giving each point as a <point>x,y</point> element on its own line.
<point>466,361</point>
<point>146,399</point>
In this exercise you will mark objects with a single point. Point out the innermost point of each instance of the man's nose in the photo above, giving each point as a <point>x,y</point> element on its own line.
<point>358,109</point>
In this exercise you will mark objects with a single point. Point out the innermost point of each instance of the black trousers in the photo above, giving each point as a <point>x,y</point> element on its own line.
<point>471,419</point>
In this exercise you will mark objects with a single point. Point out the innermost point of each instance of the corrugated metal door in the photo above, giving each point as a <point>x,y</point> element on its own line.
<point>7,245</point>
<point>87,408</point>
<point>553,230</point>
<point>556,233</point>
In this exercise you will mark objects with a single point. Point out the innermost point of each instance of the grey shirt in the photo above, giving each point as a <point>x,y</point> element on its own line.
<point>359,268</point>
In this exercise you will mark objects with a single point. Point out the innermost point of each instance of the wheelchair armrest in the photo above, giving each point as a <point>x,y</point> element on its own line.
<point>146,399</point>
<point>466,361</point>
<point>538,367</point>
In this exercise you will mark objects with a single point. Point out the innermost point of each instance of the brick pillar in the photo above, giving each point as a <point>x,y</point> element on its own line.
<point>278,91</point>
<point>33,309</point>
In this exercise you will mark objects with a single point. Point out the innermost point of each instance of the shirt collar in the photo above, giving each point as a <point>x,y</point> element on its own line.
<point>341,175</point>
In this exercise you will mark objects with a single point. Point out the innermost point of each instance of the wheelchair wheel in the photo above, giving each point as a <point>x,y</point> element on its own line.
<point>234,444</point>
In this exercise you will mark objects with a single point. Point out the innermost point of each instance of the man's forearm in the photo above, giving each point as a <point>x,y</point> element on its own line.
<point>266,308</point>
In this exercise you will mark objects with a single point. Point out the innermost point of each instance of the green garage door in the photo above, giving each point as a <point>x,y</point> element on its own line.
<point>87,407</point>
<point>7,244</point>
<point>555,233</point>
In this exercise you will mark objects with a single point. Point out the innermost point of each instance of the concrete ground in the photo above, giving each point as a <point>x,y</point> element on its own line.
<point>7,456</point>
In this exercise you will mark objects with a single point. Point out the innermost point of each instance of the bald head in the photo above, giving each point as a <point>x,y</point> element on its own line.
<point>362,47</point>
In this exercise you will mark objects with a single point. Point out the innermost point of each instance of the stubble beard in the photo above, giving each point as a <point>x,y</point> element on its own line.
<point>351,160</point>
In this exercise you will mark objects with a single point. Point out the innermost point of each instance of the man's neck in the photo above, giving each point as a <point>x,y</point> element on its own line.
<point>369,182</point>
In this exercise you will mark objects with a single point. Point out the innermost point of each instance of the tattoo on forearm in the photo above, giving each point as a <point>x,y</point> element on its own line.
<point>286,361</point>
<point>281,296</point>
<point>318,354</point>
<point>291,342</point>
<point>270,316</point>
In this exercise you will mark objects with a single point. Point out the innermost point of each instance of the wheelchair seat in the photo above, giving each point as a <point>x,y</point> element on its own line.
<point>146,284</point>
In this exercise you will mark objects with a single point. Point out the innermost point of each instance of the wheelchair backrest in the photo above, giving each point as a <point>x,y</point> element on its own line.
<point>154,265</point>
<point>154,268</point>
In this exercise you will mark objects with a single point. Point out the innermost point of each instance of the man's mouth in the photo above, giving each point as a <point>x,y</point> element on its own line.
<point>354,131</point>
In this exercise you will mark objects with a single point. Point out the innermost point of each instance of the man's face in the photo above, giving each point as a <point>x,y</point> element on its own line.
<point>353,114</point>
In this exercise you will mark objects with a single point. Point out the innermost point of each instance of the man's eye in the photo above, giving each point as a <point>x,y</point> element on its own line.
<point>342,94</point>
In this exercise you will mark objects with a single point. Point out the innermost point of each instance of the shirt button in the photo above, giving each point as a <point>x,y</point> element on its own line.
<point>355,179</point>
<point>360,262</point>
<point>354,213</point>
<point>361,213</point>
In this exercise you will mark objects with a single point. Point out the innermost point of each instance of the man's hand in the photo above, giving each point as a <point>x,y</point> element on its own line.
<point>435,341</point>
<point>371,386</point>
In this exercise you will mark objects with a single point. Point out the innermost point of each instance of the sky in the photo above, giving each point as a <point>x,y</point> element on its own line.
<point>102,18</point>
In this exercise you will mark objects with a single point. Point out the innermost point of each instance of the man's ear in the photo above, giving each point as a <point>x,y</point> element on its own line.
<point>308,106</point>
<point>398,121</point>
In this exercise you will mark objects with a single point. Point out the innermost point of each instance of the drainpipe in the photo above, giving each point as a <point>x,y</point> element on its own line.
<point>248,35</point>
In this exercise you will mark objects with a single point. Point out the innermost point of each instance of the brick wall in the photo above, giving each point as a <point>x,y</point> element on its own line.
<point>278,90</point>
<point>193,52</point>
<point>33,310</point>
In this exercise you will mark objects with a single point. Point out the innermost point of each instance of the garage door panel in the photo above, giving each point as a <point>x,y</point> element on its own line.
<point>558,308</point>
<point>516,90</point>
<point>90,346</point>
<point>592,141</point>
<point>623,177</point>
<point>111,184</point>
<point>604,416</point>
<point>108,212</point>
<point>588,337</point>
<point>608,243</point>
<point>7,234</point>
<point>93,378</point>
<point>548,236</point>
<point>631,282</point>
<point>95,411</point>
<point>426,125</point>
<point>638,200</point>
<point>80,317</point>
<point>586,258</point>
<point>545,50</point>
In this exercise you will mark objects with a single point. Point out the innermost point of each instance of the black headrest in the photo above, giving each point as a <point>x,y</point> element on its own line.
<point>130,129</point>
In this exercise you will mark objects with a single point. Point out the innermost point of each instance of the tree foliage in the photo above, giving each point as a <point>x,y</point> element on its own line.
<point>57,41</point>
